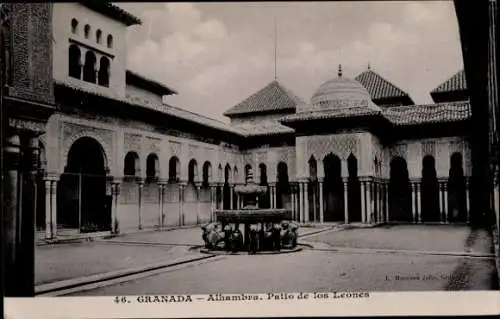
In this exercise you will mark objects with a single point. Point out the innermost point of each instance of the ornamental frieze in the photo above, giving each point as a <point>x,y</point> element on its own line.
<point>339,145</point>
<point>27,125</point>
<point>261,157</point>
<point>132,142</point>
<point>457,147</point>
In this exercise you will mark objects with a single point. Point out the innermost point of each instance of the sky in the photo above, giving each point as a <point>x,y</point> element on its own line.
<point>217,54</point>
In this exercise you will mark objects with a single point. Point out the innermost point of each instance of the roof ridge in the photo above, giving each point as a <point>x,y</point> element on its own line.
<point>191,112</point>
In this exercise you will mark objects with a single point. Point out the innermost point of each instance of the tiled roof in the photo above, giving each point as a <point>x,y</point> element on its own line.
<point>264,128</point>
<point>457,82</point>
<point>272,97</point>
<point>431,113</point>
<point>330,113</point>
<point>399,115</point>
<point>378,87</point>
<point>148,84</point>
<point>163,108</point>
<point>200,119</point>
<point>110,10</point>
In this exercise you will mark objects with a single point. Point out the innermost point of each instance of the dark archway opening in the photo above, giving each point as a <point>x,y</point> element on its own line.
<point>83,202</point>
<point>74,66</point>
<point>430,191</point>
<point>89,72</point>
<point>103,76</point>
<point>312,191</point>
<point>264,199</point>
<point>226,189</point>
<point>333,189</point>
<point>399,192</point>
<point>283,186</point>
<point>353,190</point>
<point>207,174</point>
<point>457,193</point>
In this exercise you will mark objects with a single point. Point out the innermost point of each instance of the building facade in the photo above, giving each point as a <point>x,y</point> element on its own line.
<point>114,157</point>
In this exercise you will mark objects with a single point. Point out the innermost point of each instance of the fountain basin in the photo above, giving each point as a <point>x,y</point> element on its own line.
<point>253,215</point>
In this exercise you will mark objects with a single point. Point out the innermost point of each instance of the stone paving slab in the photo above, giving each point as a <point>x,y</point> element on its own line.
<point>65,261</point>
<point>408,237</point>
<point>314,271</point>
<point>186,236</point>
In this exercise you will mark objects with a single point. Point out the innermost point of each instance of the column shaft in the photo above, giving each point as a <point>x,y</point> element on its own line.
<point>467,200</point>
<point>346,201</point>
<point>140,185</point>
<point>414,201</point>
<point>321,203</point>
<point>363,201</point>
<point>306,203</point>
<point>419,205</point>
<point>369,211</point>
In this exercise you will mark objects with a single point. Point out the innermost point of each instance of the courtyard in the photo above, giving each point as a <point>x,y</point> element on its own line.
<point>382,258</point>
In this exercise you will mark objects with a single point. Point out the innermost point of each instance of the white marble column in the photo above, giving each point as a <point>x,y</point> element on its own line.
<point>441,203</point>
<point>198,203</point>
<point>140,202</point>
<point>294,205</point>
<point>363,201</point>
<point>231,189</point>
<point>115,193</point>
<point>445,195</point>
<point>51,208</point>
<point>181,203</point>
<point>161,195</point>
<point>414,202</point>
<point>467,199</point>
<point>306,203</point>
<point>369,207</point>
<point>346,201</point>
<point>213,199</point>
<point>386,202</point>
<point>321,202</point>
<point>301,202</point>
<point>419,206</point>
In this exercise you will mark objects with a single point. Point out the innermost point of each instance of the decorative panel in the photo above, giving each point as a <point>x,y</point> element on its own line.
<point>132,142</point>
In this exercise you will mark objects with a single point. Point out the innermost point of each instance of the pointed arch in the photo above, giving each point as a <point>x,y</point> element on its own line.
<point>131,165</point>
<point>89,72</point>
<point>333,189</point>
<point>353,190</point>
<point>74,26</point>
<point>192,171</point>
<point>109,41</point>
<point>313,167</point>
<point>174,168</point>
<point>207,174</point>
<point>430,191</point>
<point>74,66</point>
<point>152,168</point>
<point>283,186</point>
<point>103,74</point>
<point>400,205</point>
<point>264,199</point>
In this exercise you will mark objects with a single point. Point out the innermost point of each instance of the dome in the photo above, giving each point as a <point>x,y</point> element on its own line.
<point>341,92</point>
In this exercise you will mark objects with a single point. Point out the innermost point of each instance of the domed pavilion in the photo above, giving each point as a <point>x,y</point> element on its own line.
<point>361,151</point>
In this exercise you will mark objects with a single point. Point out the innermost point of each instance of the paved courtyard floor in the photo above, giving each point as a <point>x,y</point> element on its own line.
<point>444,258</point>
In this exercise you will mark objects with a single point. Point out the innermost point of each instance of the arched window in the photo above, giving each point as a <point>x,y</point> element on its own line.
<point>74,26</point>
<point>248,169</point>
<point>192,171</point>
<point>173,169</point>
<point>110,41</point>
<point>152,167</point>
<point>207,173</point>
<point>103,76</point>
<point>74,67</point>
<point>98,36</point>
<point>87,31</point>
<point>131,164</point>
<point>89,67</point>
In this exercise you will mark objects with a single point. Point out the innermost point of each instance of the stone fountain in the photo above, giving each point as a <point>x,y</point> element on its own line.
<point>263,229</point>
